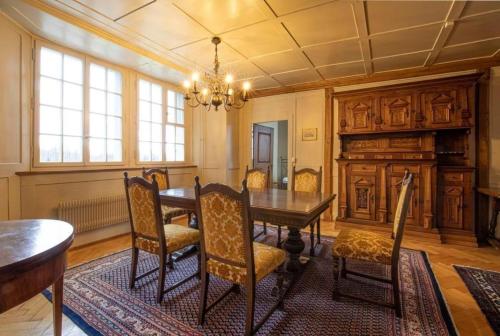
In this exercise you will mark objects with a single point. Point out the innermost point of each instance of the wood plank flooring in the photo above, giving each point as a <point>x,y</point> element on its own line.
<point>34,317</point>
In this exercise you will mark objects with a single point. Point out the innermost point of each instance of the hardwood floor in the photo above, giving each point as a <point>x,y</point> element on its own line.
<point>34,317</point>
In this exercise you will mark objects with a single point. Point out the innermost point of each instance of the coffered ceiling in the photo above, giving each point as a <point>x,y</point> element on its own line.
<point>278,43</point>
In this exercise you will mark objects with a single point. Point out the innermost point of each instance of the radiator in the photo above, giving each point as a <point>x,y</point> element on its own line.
<point>95,213</point>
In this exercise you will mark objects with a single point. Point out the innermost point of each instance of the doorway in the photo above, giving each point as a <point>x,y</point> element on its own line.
<point>270,149</point>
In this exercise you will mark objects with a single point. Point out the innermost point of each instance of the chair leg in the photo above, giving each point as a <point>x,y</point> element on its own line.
<point>343,269</point>
<point>199,262</point>
<point>250,310</point>
<point>265,227</point>
<point>311,249</point>
<point>133,268</point>
<point>278,244</point>
<point>336,279</point>
<point>205,279</point>
<point>395,290</point>
<point>279,284</point>
<point>161,279</point>
<point>318,231</point>
<point>170,261</point>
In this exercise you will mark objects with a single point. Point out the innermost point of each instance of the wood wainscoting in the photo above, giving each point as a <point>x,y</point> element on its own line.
<point>427,128</point>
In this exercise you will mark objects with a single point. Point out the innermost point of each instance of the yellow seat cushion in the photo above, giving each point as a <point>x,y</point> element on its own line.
<point>266,259</point>
<point>170,212</point>
<point>363,245</point>
<point>176,237</point>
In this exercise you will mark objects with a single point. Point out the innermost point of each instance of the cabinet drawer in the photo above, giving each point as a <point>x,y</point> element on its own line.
<point>400,169</point>
<point>453,177</point>
<point>359,168</point>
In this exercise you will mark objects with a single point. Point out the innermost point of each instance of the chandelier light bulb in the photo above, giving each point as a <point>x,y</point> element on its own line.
<point>246,86</point>
<point>186,84</point>
<point>204,91</point>
<point>230,92</point>
<point>195,76</point>
<point>229,78</point>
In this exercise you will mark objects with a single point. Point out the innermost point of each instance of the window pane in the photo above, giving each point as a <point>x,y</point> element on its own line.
<point>144,90</point>
<point>156,93</point>
<point>97,125</point>
<point>50,148</point>
<point>72,123</point>
<point>97,101</point>
<point>50,63</point>
<point>50,91</point>
<point>180,116</point>
<point>145,131</point>
<point>156,113</point>
<point>73,69</point>
<point>179,135</point>
<point>114,104</point>
<point>171,115</point>
<point>114,150</point>
<point>145,151</point>
<point>169,133</point>
<point>114,128</point>
<point>73,96</point>
<point>180,100</point>
<point>97,76</point>
<point>72,149</point>
<point>171,98</point>
<point>170,152</point>
<point>144,111</point>
<point>50,120</point>
<point>156,151</point>
<point>156,132</point>
<point>179,152</point>
<point>114,81</point>
<point>97,149</point>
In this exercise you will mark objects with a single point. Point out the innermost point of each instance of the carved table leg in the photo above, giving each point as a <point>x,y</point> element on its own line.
<point>57,298</point>
<point>187,251</point>
<point>294,246</point>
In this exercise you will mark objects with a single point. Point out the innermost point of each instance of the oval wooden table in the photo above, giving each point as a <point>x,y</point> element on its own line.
<point>33,257</point>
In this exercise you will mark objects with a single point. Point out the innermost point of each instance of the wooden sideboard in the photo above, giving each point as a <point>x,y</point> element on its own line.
<point>427,128</point>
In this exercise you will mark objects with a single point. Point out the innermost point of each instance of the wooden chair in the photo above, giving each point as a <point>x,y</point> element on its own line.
<point>373,247</point>
<point>258,179</point>
<point>150,235</point>
<point>308,180</point>
<point>164,183</point>
<point>227,250</point>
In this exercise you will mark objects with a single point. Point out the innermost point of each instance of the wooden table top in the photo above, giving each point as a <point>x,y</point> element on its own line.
<point>269,199</point>
<point>26,243</point>
<point>493,192</point>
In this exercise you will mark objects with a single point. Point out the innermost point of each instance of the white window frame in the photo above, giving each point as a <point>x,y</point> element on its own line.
<point>87,60</point>
<point>176,124</point>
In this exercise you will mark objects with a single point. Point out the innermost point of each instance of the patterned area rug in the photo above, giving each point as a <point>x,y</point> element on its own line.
<point>97,298</point>
<point>485,288</point>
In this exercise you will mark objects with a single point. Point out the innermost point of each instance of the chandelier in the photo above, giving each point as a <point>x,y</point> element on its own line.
<point>216,89</point>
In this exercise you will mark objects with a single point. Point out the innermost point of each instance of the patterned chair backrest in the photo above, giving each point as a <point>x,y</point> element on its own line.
<point>257,178</point>
<point>223,217</point>
<point>144,208</point>
<point>307,180</point>
<point>161,177</point>
<point>402,207</point>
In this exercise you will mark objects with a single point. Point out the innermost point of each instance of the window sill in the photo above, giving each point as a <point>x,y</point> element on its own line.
<point>68,170</point>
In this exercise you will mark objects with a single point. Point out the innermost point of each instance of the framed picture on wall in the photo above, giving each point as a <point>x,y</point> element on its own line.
<point>309,134</point>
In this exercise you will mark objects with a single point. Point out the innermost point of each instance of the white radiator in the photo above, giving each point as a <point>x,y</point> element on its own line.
<point>96,213</point>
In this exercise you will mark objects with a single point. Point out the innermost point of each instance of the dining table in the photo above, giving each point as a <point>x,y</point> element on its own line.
<point>293,209</point>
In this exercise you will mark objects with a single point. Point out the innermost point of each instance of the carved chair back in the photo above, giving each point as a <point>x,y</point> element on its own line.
<point>401,212</point>
<point>143,200</point>
<point>160,174</point>
<point>224,224</point>
<point>257,178</point>
<point>307,179</point>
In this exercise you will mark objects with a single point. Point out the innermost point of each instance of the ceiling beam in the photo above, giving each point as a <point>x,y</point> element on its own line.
<point>362,25</point>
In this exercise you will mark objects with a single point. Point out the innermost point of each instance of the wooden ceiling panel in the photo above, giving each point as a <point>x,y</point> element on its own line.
<point>259,39</point>
<point>326,23</point>
<point>476,7</point>
<point>202,53</point>
<point>220,16</point>
<point>243,69</point>
<point>385,16</point>
<point>336,52</point>
<point>282,7</point>
<point>400,62</point>
<point>404,41</point>
<point>476,28</point>
<point>472,50</point>
<point>165,24</point>
<point>113,9</point>
<point>280,62</point>
<point>297,77</point>
<point>342,70</point>
<point>260,83</point>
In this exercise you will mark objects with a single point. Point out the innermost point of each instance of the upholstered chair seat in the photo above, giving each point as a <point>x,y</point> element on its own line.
<point>267,259</point>
<point>363,245</point>
<point>171,212</point>
<point>258,179</point>
<point>176,237</point>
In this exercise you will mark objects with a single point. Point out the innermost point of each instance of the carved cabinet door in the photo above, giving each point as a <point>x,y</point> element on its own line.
<point>440,108</point>
<point>413,217</point>
<point>396,111</point>
<point>455,199</point>
<point>357,115</point>
<point>362,196</point>
<point>452,200</point>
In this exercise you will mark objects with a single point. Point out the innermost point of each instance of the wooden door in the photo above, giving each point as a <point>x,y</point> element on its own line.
<point>262,146</point>
<point>413,217</point>
<point>362,189</point>
<point>396,111</point>
<point>357,115</point>
<point>440,108</point>
<point>452,205</point>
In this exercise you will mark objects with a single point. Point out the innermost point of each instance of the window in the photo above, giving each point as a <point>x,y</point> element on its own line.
<point>154,144</point>
<point>61,107</point>
<point>174,129</point>
<point>64,114</point>
<point>105,118</point>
